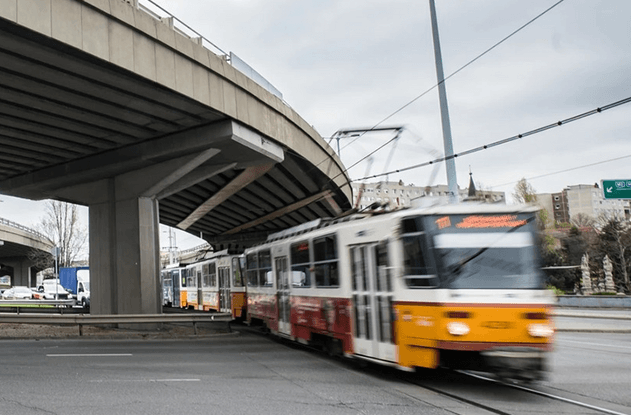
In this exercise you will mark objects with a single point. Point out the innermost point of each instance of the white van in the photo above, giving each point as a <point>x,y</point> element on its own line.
<point>53,290</point>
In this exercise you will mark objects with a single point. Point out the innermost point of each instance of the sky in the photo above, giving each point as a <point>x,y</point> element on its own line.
<point>360,64</point>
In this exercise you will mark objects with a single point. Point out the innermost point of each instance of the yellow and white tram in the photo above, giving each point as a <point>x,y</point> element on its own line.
<point>457,286</point>
<point>173,286</point>
<point>215,283</point>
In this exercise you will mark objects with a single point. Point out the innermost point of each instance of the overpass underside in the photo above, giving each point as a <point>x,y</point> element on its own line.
<point>105,106</point>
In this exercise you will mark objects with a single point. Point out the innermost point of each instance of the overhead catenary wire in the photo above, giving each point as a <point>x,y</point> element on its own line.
<point>506,140</point>
<point>567,170</point>
<point>435,86</point>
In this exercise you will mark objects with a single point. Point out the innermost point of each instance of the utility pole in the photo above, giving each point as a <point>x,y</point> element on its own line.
<point>450,163</point>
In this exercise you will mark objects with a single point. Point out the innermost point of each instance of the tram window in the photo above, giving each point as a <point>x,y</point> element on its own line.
<point>266,278</point>
<point>364,269</point>
<point>415,270</point>
<point>325,261</point>
<point>205,276</point>
<point>300,265</point>
<point>212,271</point>
<point>354,268</point>
<point>300,252</point>
<point>368,319</point>
<point>358,326</point>
<point>384,278</point>
<point>252,269</point>
<point>265,268</point>
<point>191,278</point>
<point>237,276</point>
<point>326,275</point>
<point>325,248</point>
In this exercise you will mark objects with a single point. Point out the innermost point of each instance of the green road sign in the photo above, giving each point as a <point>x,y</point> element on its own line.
<point>616,189</point>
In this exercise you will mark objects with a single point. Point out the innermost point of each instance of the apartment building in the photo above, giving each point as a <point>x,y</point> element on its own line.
<point>584,199</point>
<point>398,194</point>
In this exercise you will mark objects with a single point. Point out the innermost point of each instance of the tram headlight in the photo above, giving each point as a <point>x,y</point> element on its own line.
<point>540,330</point>
<point>456,328</point>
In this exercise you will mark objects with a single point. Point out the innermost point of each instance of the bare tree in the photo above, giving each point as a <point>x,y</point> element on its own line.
<point>62,228</point>
<point>583,221</point>
<point>524,192</point>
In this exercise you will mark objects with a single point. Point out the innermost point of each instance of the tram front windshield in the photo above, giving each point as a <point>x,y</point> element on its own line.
<point>486,251</point>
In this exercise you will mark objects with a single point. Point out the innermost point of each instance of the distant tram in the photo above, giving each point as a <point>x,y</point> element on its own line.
<point>456,286</point>
<point>215,283</point>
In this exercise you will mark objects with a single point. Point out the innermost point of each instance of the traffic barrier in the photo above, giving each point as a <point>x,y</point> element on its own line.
<point>107,319</point>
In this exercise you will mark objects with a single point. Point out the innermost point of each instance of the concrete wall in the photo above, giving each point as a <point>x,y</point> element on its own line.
<point>594,301</point>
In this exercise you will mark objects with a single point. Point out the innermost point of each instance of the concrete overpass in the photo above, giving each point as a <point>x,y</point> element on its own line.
<point>17,242</point>
<point>106,105</point>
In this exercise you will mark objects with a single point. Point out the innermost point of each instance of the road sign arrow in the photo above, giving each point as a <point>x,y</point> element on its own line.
<point>609,189</point>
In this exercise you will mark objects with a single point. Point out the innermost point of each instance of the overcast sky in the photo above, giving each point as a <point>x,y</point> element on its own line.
<point>354,63</point>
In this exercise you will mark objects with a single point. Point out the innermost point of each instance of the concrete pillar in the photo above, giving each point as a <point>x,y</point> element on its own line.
<point>124,254</point>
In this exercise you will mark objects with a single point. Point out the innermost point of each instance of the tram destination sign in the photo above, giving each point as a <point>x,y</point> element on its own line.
<point>616,189</point>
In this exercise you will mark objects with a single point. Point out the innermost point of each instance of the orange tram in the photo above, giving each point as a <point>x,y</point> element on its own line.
<point>456,286</point>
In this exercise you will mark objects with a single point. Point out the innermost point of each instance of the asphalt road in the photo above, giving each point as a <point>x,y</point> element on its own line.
<point>241,373</point>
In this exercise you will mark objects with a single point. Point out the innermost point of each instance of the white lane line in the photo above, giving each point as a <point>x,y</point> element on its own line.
<point>143,380</point>
<point>88,354</point>
<point>592,344</point>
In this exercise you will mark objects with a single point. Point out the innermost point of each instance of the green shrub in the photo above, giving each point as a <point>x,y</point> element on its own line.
<point>556,290</point>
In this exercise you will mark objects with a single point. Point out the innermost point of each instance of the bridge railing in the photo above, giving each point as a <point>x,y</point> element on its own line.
<point>22,228</point>
<point>153,9</point>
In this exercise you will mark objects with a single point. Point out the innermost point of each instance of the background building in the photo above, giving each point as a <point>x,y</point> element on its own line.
<point>398,194</point>
<point>586,200</point>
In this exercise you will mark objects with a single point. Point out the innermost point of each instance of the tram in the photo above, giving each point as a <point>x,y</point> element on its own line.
<point>456,286</point>
<point>173,286</point>
<point>215,283</point>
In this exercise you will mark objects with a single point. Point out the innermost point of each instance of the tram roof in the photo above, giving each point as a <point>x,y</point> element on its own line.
<point>440,209</point>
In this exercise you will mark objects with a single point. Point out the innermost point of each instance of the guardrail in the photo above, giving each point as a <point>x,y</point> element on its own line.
<point>107,319</point>
<point>31,304</point>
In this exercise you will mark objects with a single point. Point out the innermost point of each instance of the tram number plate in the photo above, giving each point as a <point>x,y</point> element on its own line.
<point>496,324</point>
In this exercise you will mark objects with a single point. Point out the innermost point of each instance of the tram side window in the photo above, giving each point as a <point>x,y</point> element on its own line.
<point>417,274</point>
<point>300,264</point>
<point>252,269</point>
<point>237,275</point>
<point>265,269</point>
<point>205,276</point>
<point>191,277</point>
<point>212,271</point>
<point>384,278</point>
<point>325,261</point>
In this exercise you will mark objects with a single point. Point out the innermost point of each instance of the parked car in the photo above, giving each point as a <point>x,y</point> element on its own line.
<point>51,289</point>
<point>17,293</point>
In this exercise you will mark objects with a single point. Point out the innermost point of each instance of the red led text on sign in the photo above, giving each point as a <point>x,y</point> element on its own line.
<point>503,221</point>
<point>443,222</point>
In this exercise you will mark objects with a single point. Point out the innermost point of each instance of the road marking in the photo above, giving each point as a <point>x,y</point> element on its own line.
<point>88,354</point>
<point>593,344</point>
<point>143,380</point>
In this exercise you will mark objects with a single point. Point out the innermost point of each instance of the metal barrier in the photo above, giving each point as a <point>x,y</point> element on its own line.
<point>88,319</point>
<point>34,304</point>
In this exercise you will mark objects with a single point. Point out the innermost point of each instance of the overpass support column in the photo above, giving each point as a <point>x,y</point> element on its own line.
<point>124,256</point>
<point>125,236</point>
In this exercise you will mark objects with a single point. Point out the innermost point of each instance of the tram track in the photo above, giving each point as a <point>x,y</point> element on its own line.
<point>462,386</point>
<point>462,396</point>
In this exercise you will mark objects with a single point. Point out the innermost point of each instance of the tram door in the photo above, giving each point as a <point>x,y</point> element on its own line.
<point>282,292</point>
<point>200,286</point>
<point>224,290</point>
<point>372,302</point>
